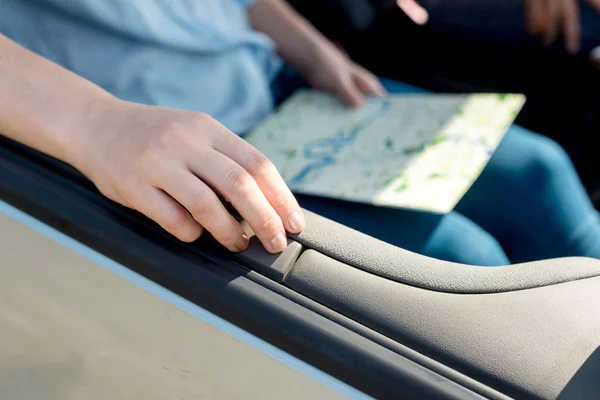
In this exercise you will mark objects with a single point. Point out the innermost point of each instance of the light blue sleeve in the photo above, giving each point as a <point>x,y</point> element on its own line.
<point>105,11</point>
<point>125,16</point>
<point>246,3</point>
<point>176,23</point>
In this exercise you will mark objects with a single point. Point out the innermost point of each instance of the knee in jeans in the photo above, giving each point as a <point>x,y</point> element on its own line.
<point>458,239</point>
<point>546,161</point>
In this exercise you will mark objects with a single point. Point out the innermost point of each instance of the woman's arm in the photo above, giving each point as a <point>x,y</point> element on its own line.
<point>162,162</point>
<point>298,42</point>
<point>307,50</point>
<point>43,105</point>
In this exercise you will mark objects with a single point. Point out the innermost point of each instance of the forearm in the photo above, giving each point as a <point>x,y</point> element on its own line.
<point>43,105</point>
<point>298,42</point>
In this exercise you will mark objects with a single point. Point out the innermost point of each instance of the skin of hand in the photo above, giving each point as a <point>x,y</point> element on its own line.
<point>169,164</point>
<point>334,72</point>
<point>166,163</point>
<point>550,18</point>
<point>314,56</point>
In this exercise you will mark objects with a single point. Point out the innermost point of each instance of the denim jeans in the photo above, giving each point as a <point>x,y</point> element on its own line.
<point>528,204</point>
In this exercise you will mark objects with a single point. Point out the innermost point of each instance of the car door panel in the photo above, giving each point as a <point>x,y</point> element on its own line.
<point>388,322</point>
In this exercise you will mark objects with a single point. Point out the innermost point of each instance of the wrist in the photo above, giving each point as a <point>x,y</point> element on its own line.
<point>91,122</point>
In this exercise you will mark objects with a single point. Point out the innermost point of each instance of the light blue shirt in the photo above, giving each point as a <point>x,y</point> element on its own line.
<point>199,55</point>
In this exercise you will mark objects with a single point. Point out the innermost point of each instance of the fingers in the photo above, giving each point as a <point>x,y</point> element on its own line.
<point>359,83</point>
<point>546,18</point>
<point>571,26</point>
<point>205,207</point>
<point>239,187</point>
<point>168,213</point>
<point>534,17</point>
<point>267,178</point>
<point>554,18</point>
<point>349,92</point>
<point>368,83</point>
<point>414,11</point>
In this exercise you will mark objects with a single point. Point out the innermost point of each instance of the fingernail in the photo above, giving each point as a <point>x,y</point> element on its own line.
<point>421,17</point>
<point>278,243</point>
<point>297,221</point>
<point>243,244</point>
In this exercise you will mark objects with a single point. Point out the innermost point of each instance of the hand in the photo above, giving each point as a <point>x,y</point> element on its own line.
<point>334,72</point>
<point>549,18</point>
<point>169,165</point>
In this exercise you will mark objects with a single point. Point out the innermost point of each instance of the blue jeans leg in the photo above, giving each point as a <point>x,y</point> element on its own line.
<point>530,198</point>
<point>450,237</point>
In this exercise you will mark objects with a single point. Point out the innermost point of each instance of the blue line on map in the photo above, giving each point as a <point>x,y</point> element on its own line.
<point>323,150</point>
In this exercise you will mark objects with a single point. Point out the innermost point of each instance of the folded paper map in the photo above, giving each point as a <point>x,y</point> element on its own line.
<point>414,151</point>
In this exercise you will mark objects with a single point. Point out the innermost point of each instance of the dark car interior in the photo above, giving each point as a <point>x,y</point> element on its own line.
<point>391,323</point>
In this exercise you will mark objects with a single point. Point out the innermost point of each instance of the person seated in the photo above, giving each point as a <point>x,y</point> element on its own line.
<point>180,77</point>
